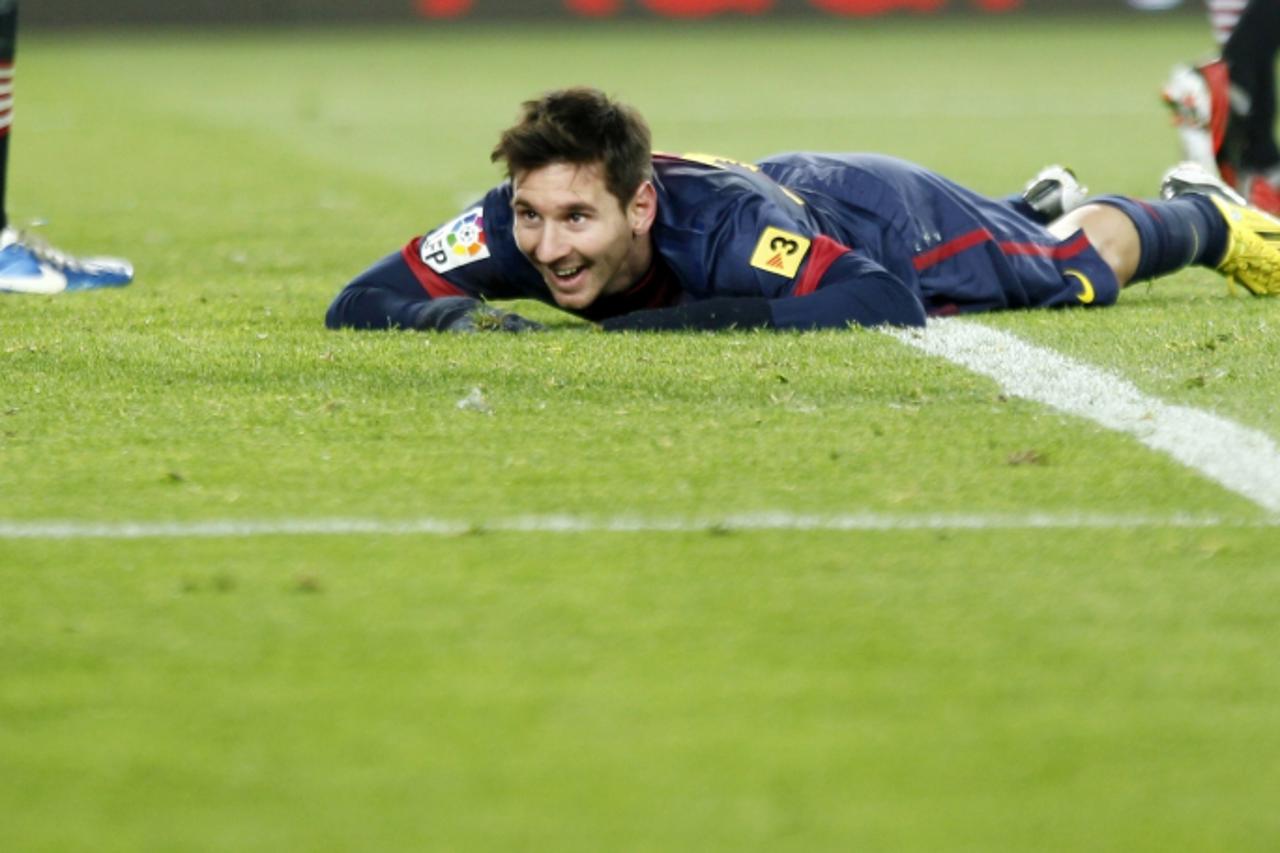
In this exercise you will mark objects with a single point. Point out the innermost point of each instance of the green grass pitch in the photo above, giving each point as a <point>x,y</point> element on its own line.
<point>1076,688</point>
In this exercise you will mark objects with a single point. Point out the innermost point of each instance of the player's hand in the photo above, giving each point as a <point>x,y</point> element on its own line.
<point>464,314</point>
<point>486,318</point>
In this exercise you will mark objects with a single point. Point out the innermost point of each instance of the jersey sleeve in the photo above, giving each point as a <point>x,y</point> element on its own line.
<point>842,288</point>
<point>459,257</point>
<point>810,280</point>
<point>465,257</point>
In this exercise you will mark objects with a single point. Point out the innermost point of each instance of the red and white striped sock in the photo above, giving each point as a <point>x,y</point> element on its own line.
<point>1223,17</point>
<point>6,97</point>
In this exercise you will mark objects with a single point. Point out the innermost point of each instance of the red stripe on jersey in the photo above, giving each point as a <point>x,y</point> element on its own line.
<point>951,248</point>
<point>436,285</point>
<point>821,256</point>
<point>1056,251</point>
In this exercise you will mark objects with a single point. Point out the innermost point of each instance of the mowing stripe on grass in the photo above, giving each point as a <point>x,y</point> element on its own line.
<point>574,524</point>
<point>1244,460</point>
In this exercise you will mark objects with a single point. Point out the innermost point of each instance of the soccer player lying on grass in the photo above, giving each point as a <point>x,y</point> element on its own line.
<point>594,222</point>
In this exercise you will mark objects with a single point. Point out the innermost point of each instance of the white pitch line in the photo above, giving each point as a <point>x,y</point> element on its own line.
<point>574,524</point>
<point>1242,459</point>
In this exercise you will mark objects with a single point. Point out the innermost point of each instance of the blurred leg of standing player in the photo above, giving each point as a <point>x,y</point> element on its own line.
<point>1225,108</point>
<point>28,265</point>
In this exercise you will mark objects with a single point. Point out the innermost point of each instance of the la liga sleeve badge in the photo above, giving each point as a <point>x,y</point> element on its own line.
<point>456,243</point>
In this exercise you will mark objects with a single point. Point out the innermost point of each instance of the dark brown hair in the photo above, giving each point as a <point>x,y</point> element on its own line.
<point>580,126</point>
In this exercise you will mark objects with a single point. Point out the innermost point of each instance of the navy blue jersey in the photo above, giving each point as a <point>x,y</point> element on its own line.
<point>825,239</point>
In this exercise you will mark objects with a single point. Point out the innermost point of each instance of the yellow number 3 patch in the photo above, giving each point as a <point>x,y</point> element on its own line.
<point>779,252</point>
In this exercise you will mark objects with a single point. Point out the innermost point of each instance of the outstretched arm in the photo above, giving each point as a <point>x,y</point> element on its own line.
<point>851,291</point>
<point>389,296</point>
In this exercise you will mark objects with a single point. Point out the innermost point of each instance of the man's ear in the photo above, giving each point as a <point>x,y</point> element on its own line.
<point>642,209</point>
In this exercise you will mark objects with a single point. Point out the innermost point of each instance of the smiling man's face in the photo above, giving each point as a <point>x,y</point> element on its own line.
<point>581,239</point>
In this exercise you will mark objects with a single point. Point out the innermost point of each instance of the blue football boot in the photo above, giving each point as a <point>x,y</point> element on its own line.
<point>29,265</point>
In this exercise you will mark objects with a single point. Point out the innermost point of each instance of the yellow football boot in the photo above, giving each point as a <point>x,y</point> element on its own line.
<point>1252,259</point>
